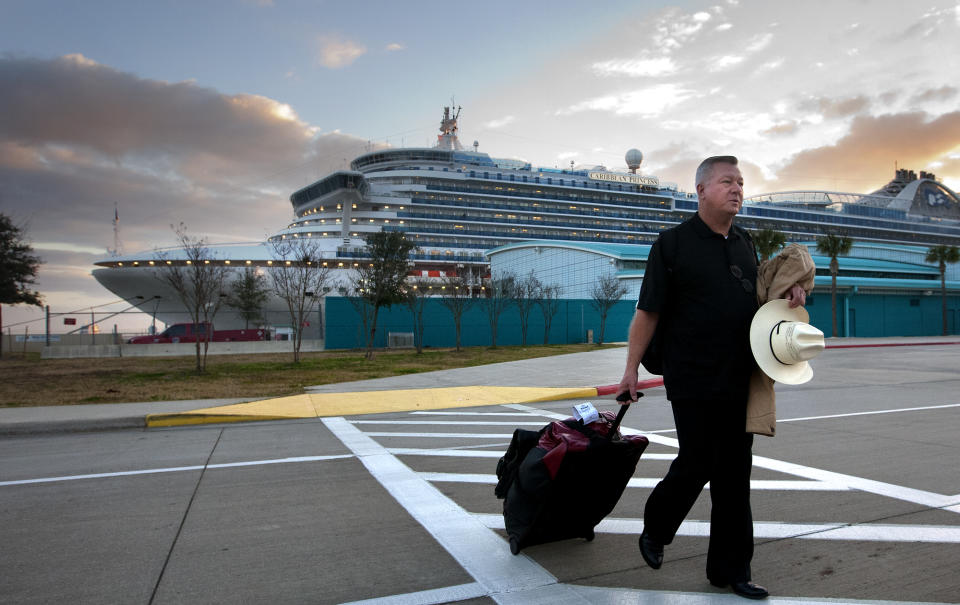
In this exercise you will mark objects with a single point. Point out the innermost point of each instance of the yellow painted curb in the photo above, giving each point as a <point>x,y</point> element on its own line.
<point>315,405</point>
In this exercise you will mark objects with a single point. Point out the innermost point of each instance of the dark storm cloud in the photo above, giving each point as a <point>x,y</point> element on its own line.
<point>74,101</point>
<point>79,139</point>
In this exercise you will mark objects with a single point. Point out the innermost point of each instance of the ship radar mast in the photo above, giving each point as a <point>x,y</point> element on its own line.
<point>447,139</point>
<point>115,251</point>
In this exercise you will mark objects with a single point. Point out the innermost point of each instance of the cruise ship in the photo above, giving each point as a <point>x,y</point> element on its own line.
<point>455,204</point>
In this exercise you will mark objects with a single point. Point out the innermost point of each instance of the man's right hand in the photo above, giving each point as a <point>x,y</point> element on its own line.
<point>628,384</point>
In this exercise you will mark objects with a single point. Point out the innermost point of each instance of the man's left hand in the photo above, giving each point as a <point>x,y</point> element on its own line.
<point>796,296</point>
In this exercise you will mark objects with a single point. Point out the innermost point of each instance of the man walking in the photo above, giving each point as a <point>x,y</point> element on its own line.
<point>699,289</point>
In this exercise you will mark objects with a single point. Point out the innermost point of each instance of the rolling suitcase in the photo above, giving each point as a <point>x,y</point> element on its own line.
<point>561,481</point>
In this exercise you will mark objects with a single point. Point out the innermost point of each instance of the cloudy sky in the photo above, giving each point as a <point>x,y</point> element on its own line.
<point>213,112</point>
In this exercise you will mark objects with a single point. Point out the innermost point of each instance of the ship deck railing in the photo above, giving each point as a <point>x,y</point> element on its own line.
<point>507,207</point>
<point>660,224</point>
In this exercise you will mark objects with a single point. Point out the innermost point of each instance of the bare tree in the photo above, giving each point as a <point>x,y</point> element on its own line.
<point>457,299</point>
<point>198,280</point>
<point>526,292</point>
<point>299,278</point>
<point>500,292</point>
<point>248,293</point>
<point>353,293</point>
<point>418,291</point>
<point>606,292</point>
<point>549,301</point>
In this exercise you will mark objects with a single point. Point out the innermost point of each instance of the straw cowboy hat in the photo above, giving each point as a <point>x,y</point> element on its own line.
<point>783,342</point>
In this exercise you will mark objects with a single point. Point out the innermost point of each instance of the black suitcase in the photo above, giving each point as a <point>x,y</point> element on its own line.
<point>545,503</point>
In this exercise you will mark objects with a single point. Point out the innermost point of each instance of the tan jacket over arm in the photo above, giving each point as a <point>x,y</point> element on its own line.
<point>792,266</point>
<point>774,277</point>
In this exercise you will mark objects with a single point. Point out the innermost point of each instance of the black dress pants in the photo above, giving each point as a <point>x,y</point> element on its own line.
<point>714,447</point>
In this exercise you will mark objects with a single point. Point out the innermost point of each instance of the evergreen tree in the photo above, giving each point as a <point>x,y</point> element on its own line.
<point>381,281</point>
<point>18,269</point>
<point>248,294</point>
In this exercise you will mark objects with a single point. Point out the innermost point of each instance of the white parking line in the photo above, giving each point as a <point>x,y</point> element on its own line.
<point>430,413</point>
<point>898,492</point>
<point>871,413</point>
<point>173,469</point>
<point>405,451</point>
<point>470,547</point>
<point>866,532</point>
<point>441,435</point>
<point>450,422</point>
<point>450,594</point>
<point>759,484</point>
<point>481,553</point>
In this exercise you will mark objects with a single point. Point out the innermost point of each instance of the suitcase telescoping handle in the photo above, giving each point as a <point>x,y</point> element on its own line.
<point>623,411</point>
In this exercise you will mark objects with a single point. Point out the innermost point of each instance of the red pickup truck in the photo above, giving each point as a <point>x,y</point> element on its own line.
<point>191,332</point>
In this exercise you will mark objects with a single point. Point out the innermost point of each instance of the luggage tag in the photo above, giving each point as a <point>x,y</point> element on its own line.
<point>586,413</point>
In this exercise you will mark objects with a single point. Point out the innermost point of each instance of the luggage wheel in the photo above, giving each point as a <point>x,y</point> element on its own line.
<point>590,535</point>
<point>514,546</point>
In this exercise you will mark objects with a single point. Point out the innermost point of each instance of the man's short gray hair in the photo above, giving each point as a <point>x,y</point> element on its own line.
<point>706,166</point>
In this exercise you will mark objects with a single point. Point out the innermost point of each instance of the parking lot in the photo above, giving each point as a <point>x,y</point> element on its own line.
<point>856,499</point>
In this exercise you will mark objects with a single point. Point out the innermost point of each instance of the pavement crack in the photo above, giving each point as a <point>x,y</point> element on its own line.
<point>183,519</point>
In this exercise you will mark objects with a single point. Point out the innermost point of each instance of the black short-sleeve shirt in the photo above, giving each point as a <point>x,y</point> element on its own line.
<point>705,309</point>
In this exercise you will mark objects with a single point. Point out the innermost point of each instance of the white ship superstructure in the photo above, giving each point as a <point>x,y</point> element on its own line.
<point>454,204</point>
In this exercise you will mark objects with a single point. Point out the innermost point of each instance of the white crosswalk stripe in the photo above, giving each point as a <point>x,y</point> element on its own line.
<point>532,586</point>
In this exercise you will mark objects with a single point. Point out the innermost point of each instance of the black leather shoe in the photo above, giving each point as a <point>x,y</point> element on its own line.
<point>651,551</point>
<point>747,590</point>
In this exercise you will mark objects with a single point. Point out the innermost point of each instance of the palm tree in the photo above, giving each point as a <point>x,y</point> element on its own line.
<point>834,246</point>
<point>768,242</point>
<point>943,255</point>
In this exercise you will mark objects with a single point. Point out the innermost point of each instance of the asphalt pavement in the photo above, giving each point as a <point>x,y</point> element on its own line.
<point>857,498</point>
